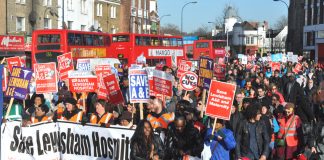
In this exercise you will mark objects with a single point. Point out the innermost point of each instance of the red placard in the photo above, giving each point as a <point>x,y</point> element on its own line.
<point>220,100</point>
<point>184,66</point>
<point>219,71</point>
<point>16,43</point>
<point>220,52</point>
<point>13,61</point>
<point>297,68</point>
<point>162,83</point>
<point>45,77</point>
<point>65,64</point>
<point>102,71</point>
<point>82,81</point>
<point>275,66</point>
<point>189,81</point>
<point>115,95</point>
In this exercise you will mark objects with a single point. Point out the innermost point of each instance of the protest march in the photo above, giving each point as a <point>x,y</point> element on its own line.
<point>268,107</point>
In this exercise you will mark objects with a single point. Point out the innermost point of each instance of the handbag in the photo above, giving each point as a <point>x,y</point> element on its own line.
<point>282,142</point>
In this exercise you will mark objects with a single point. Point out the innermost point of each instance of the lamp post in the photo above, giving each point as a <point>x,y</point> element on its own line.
<point>194,2</point>
<point>282,2</point>
<point>215,27</point>
<point>166,15</point>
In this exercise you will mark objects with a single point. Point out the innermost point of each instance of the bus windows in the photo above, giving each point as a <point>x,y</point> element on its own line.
<point>87,40</point>
<point>180,42</point>
<point>138,41</point>
<point>121,38</point>
<point>98,40</point>
<point>174,42</point>
<point>202,45</point>
<point>219,44</point>
<point>78,39</point>
<point>147,41</point>
<point>155,41</point>
<point>166,42</point>
<point>107,41</point>
<point>49,38</point>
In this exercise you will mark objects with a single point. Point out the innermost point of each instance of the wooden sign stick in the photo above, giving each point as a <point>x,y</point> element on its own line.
<point>214,126</point>
<point>203,103</point>
<point>9,108</point>
<point>141,111</point>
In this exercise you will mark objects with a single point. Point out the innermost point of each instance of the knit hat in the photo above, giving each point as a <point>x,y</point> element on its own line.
<point>289,105</point>
<point>71,101</point>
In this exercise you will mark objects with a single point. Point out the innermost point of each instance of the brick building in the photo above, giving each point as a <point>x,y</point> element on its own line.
<point>106,15</point>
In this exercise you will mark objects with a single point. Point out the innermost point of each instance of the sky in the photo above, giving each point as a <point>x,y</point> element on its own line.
<point>199,14</point>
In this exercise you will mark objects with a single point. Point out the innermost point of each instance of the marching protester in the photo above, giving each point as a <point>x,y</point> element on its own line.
<point>159,117</point>
<point>145,145</point>
<point>40,115</point>
<point>103,115</point>
<point>71,112</point>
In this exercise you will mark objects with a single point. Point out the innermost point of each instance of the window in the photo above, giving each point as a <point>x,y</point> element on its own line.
<point>166,42</point>
<point>69,5</point>
<point>121,38</point>
<point>49,38</point>
<point>113,12</point>
<point>155,41</point>
<point>252,40</point>
<point>174,42</point>
<point>21,1</point>
<point>47,23</point>
<point>20,24</point>
<point>47,2</point>
<point>99,9</point>
<point>219,44</point>
<point>88,40</point>
<point>138,41</point>
<point>83,27</point>
<point>202,45</point>
<point>247,39</point>
<point>180,42</point>
<point>113,30</point>
<point>70,23</point>
<point>83,7</point>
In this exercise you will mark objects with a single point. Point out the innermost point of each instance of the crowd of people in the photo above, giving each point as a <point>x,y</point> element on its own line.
<point>276,114</point>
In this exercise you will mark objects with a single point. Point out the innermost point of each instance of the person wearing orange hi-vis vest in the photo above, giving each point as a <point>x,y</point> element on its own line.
<point>290,134</point>
<point>40,115</point>
<point>160,118</point>
<point>103,115</point>
<point>72,113</point>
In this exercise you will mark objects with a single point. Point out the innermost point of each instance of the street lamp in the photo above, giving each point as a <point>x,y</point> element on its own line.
<point>282,2</point>
<point>194,2</point>
<point>215,27</point>
<point>166,15</point>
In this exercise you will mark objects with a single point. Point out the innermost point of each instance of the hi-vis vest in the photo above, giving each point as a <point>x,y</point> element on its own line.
<point>291,135</point>
<point>35,120</point>
<point>162,121</point>
<point>75,118</point>
<point>94,119</point>
<point>59,112</point>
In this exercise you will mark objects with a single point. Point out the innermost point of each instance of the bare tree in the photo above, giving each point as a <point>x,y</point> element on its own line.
<point>170,29</point>
<point>203,30</point>
<point>281,23</point>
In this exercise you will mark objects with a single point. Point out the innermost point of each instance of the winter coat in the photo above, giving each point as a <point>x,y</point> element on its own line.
<point>138,153</point>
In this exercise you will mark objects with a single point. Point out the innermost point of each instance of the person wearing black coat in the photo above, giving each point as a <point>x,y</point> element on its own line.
<point>236,118</point>
<point>182,139</point>
<point>145,145</point>
<point>252,138</point>
<point>292,90</point>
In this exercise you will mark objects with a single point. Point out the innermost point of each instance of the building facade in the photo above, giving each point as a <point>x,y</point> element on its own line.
<point>313,37</point>
<point>21,17</point>
<point>106,15</point>
<point>135,16</point>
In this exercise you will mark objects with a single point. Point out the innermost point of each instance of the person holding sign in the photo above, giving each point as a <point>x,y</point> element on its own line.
<point>103,115</point>
<point>220,142</point>
<point>72,113</point>
<point>160,118</point>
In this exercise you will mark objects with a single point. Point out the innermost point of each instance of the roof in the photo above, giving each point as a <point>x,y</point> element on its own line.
<point>230,12</point>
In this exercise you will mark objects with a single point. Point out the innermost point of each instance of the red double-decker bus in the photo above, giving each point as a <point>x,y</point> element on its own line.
<point>127,47</point>
<point>209,48</point>
<point>48,44</point>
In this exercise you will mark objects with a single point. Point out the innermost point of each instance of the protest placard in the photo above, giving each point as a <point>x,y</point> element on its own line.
<point>18,83</point>
<point>115,95</point>
<point>219,71</point>
<point>103,61</point>
<point>275,66</point>
<point>45,78</point>
<point>244,59</point>
<point>162,83</point>
<point>149,71</point>
<point>184,66</point>
<point>138,86</point>
<point>4,79</point>
<point>297,68</point>
<point>101,72</point>
<point>294,58</point>
<point>83,65</point>
<point>13,61</point>
<point>206,66</point>
<point>276,57</point>
<point>220,100</point>
<point>189,81</point>
<point>82,81</point>
<point>1,94</point>
<point>65,64</point>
